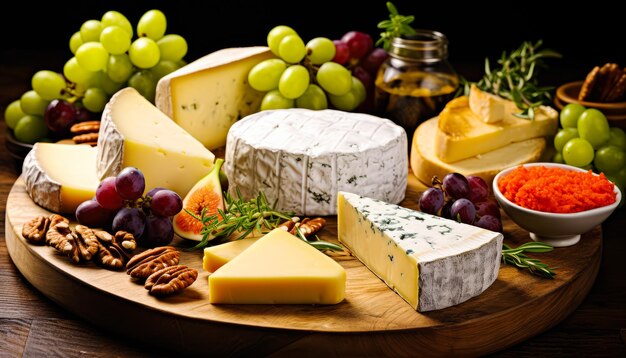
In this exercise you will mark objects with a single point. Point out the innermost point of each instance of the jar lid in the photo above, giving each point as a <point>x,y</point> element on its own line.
<point>424,45</point>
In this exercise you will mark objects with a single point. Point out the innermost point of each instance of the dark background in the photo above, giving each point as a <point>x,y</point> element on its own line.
<point>586,36</point>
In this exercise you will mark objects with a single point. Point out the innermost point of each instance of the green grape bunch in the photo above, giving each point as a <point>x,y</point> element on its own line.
<point>107,55</point>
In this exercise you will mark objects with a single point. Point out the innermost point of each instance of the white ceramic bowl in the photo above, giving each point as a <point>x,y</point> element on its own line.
<point>558,230</point>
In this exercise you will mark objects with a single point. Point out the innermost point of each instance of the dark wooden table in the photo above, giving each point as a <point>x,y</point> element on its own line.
<point>32,325</point>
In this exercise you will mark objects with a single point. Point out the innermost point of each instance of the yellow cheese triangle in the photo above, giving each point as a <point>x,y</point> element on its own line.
<point>218,255</point>
<point>279,268</point>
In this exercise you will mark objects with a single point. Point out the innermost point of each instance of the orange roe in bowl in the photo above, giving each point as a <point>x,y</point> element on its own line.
<point>556,190</point>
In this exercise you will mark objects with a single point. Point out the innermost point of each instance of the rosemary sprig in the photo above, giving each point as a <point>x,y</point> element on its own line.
<point>516,78</point>
<point>317,243</point>
<point>397,26</point>
<point>516,257</point>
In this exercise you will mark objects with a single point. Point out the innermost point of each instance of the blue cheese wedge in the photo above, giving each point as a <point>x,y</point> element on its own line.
<point>301,158</point>
<point>431,262</point>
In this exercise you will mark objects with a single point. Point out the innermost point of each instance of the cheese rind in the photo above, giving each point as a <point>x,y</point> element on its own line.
<point>491,108</point>
<point>431,262</point>
<point>135,133</point>
<point>59,177</point>
<point>218,255</point>
<point>279,268</point>
<point>208,95</point>
<point>425,164</point>
<point>462,134</point>
<point>301,158</point>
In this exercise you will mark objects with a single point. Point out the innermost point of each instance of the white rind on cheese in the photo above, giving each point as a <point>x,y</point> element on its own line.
<point>431,262</point>
<point>110,145</point>
<point>44,190</point>
<point>425,164</point>
<point>301,158</point>
<point>208,95</point>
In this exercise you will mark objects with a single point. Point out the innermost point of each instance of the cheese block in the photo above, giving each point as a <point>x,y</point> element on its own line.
<point>425,164</point>
<point>279,269</point>
<point>59,177</point>
<point>133,132</point>
<point>462,134</point>
<point>208,95</point>
<point>491,108</point>
<point>431,262</point>
<point>218,255</point>
<point>301,158</point>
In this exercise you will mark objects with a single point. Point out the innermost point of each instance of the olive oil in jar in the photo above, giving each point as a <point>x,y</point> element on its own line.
<point>416,81</point>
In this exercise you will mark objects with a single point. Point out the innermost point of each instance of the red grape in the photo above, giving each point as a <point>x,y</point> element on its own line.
<point>130,183</point>
<point>59,116</point>
<point>359,43</point>
<point>364,76</point>
<point>463,210</point>
<point>154,191</point>
<point>374,59</point>
<point>82,114</point>
<point>131,220</point>
<point>489,222</point>
<point>166,203</point>
<point>431,201</point>
<point>107,196</point>
<point>456,185</point>
<point>158,232</point>
<point>342,52</point>
<point>91,214</point>
<point>479,190</point>
<point>487,207</point>
<point>445,210</point>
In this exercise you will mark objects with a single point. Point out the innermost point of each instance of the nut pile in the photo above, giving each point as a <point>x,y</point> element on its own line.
<point>604,84</point>
<point>160,269</point>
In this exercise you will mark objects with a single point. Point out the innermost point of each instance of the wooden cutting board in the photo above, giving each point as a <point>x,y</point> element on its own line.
<point>371,321</point>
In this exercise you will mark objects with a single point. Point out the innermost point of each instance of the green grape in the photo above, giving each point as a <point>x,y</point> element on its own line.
<point>107,84</point>
<point>274,100</point>
<point>30,129</point>
<point>75,41</point>
<point>13,113</point>
<point>31,103</point>
<point>48,85</point>
<point>617,137</point>
<point>349,101</point>
<point>172,47</point>
<point>163,68</point>
<point>90,31</point>
<point>152,24</point>
<point>144,83</point>
<point>578,152</point>
<point>558,158</point>
<point>294,81</point>
<point>119,68</point>
<point>313,98</point>
<point>95,99</point>
<point>563,136</point>
<point>291,49</point>
<point>594,127</point>
<point>609,159</point>
<point>320,50</point>
<point>115,40</point>
<point>92,56</point>
<point>144,53</point>
<point>75,73</point>
<point>115,18</point>
<point>359,88</point>
<point>265,75</point>
<point>334,78</point>
<point>276,35</point>
<point>570,114</point>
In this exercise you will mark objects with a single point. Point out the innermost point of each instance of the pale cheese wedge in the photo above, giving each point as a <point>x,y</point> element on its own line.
<point>462,134</point>
<point>208,95</point>
<point>218,255</point>
<point>425,164</point>
<point>491,108</point>
<point>279,269</point>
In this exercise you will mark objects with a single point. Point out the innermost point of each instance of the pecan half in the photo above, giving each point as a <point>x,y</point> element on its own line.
<point>148,262</point>
<point>35,230</point>
<point>170,280</point>
<point>114,250</point>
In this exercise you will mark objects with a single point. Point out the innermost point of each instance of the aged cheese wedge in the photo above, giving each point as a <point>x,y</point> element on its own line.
<point>425,164</point>
<point>301,158</point>
<point>208,95</point>
<point>491,108</point>
<point>218,255</point>
<point>59,177</point>
<point>279,268</point>
<point>133,132</point>
<point>431,262</point>
<point>462,134</point>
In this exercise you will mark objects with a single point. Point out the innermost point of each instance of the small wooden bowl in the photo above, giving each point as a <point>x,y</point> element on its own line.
<point>615,112</point>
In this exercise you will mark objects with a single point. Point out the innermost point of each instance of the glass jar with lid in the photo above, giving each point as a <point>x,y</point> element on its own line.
<point>416,81</point>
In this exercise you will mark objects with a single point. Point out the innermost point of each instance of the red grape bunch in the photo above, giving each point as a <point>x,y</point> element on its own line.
<point>119,204</point>
<point>463,199</point>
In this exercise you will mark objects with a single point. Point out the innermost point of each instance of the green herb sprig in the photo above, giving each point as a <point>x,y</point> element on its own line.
<point>516,78</point>
<point>516,257</point>
<point>397,26</point>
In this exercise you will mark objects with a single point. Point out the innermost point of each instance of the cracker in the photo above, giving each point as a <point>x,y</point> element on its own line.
<point>588,85</point>
<point>618,90</point>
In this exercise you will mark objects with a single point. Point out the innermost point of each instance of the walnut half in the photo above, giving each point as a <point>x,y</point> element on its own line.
<point>35,230</point>
<point>170,280</point>
<point>114,250</point>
